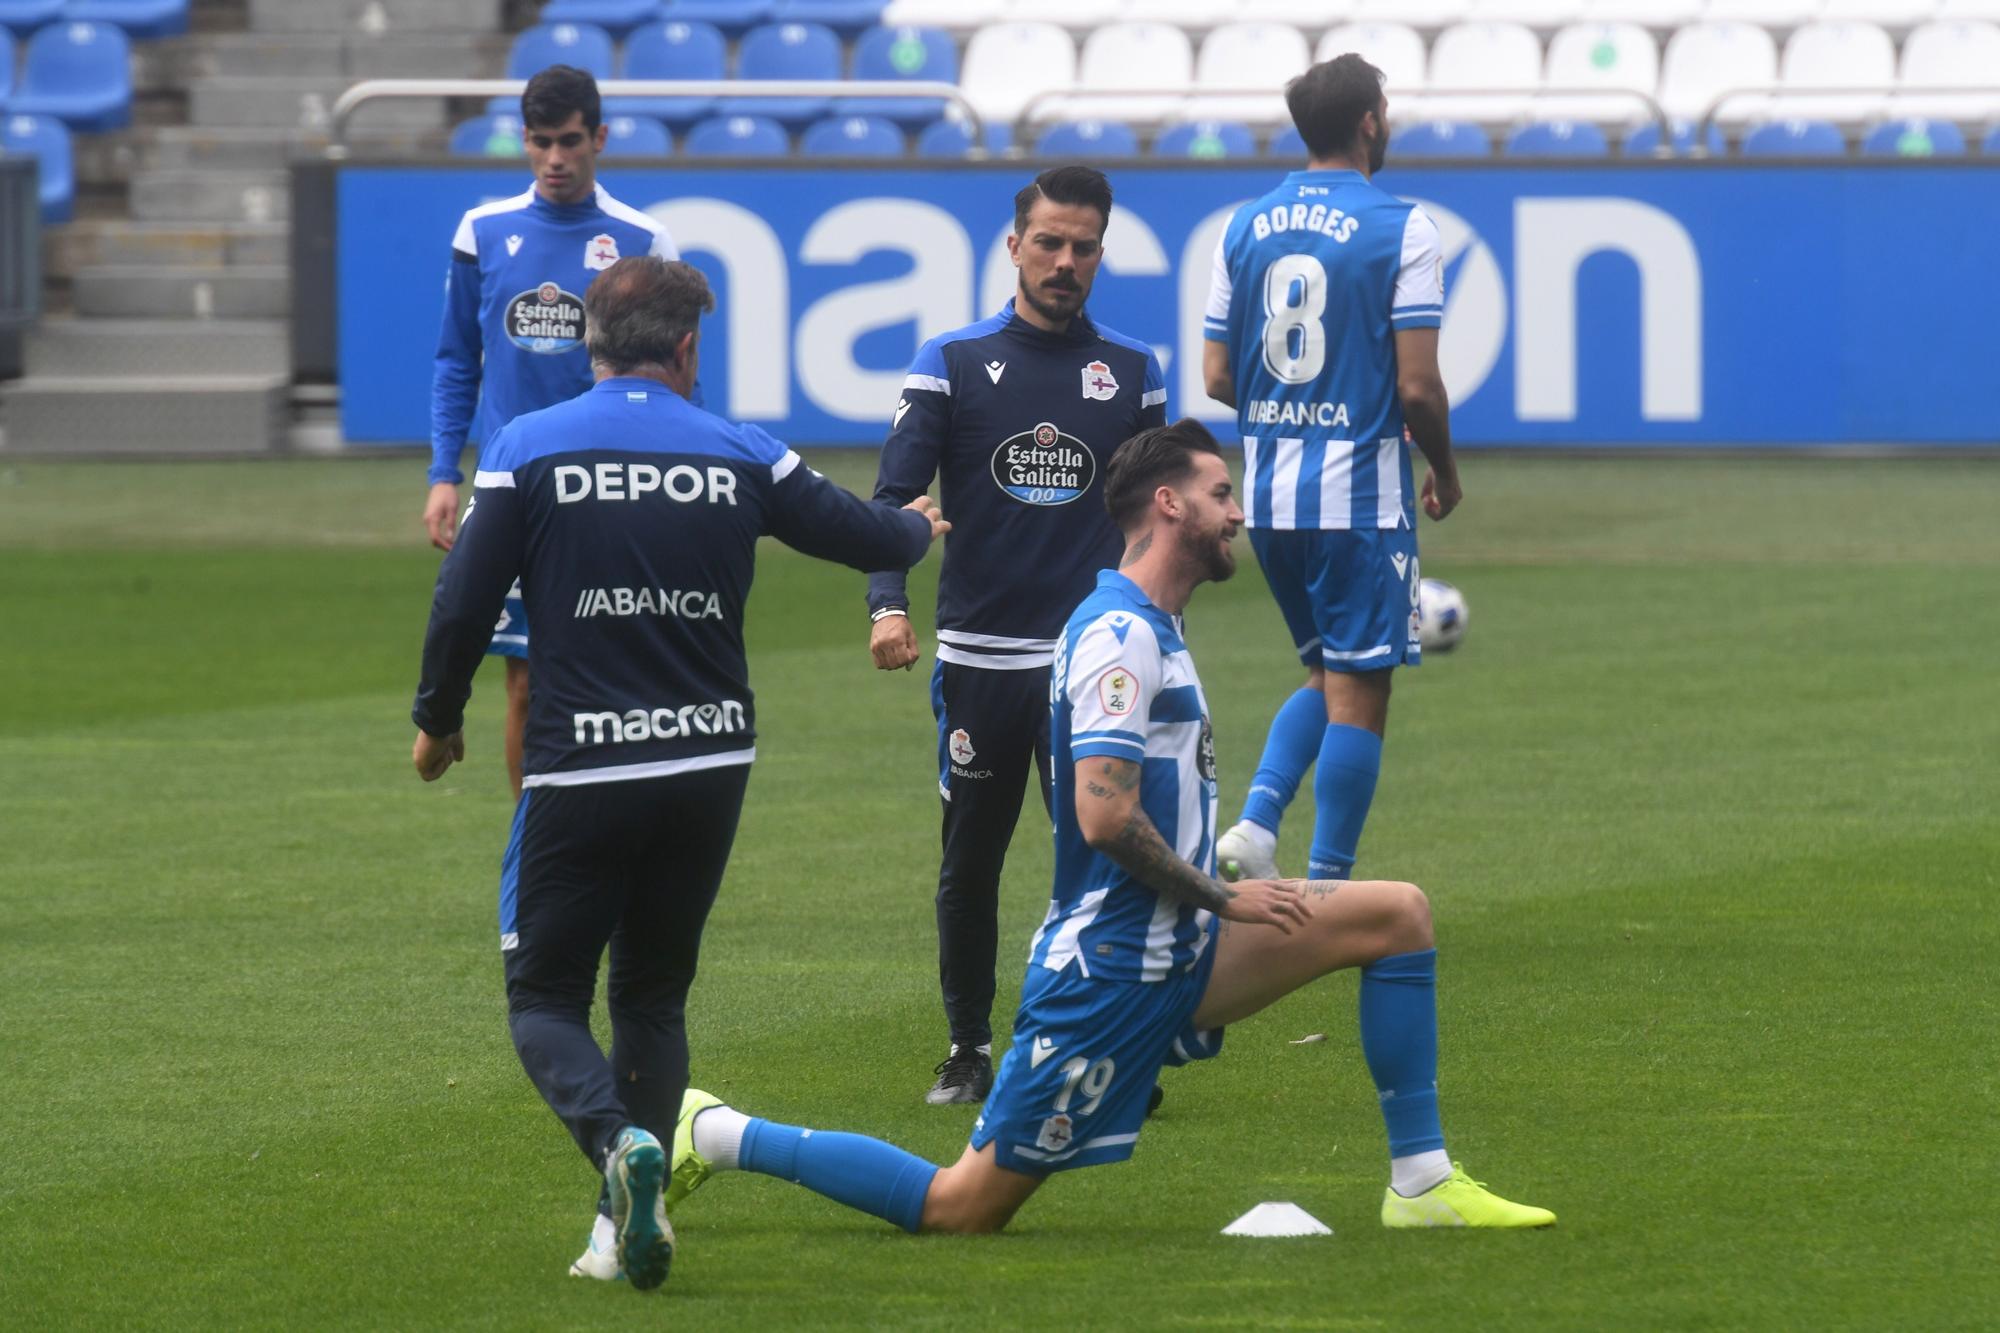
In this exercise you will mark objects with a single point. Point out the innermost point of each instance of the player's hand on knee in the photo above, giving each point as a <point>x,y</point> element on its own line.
<point>893,643</point>
<point>1441,494</point>
<point>928,507</point>
<point>441,515</point>
<point>1268,902</point>
<point>434,754</point>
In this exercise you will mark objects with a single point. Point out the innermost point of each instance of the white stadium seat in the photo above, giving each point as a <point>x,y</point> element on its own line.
<point>1008,63</point>
<point>1658,15</point>
<point>1954,54</point>
<point>953,15</point>
<point>1195,16</point>
<point>1394,49</point>
<point>1131,55</point>
<point>1076,15</point>
<point>1704,60</point>
<point>1764,13</point>
<point>1247,55</point>
<point>1600,55</point>
<point>1483,55</point>
<point>1969,9</point>
<point>1306,15</point>
<point>1543,15</point>
<point>1415,13</point>
<point>1895,15</point>
<point>1836,55</point>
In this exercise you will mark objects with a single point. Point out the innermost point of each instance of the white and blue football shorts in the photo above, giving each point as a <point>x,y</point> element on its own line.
<point>1072,1089</point>
<point>1349,596</point>
<point>510,635</point>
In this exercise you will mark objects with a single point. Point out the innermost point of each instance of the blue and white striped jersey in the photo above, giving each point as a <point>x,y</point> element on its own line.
<point>1123,686</point>
<point>1311,284</point>
<point>512,338</point>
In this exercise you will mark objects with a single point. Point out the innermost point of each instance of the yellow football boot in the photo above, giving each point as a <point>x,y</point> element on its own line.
<point>1460,1202</point>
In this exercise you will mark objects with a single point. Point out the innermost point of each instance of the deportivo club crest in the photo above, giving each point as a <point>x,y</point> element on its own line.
<point>601,253</point>
<point>1099,383</point>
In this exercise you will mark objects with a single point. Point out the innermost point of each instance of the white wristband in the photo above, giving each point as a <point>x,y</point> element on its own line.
<point>888,611</point>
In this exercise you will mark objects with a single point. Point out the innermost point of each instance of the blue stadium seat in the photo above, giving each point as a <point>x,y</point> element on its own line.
<point>1558,138</point>
<point>737,136</point>
<point>141,19</point>
<point>44,138</point>
<point>1794,138</point>
<point>672,51</point>
<point>535,49</point>
<point>637,136</point>
<point>948,138</point>
<point>734,17</point>
<point>616,17</point>
<point>1914,137</point>
<point>846,17</point>
<point>1642,141</point>
<point>6,64</point>
<point>1991,144</point>
<point>80,73</point>
<point>785,51</point>
<point>1287,142</point>
<point>24,16</point>
<point>495,134</point>
<point>902,53</point>
<point>1088,138</point>
<point>1441,138</point>
<point>852,136</point>
<point>1206,139</point>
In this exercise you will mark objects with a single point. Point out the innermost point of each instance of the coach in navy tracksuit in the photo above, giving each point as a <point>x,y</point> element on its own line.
<point>1019,413</point>
<point>631,518</point>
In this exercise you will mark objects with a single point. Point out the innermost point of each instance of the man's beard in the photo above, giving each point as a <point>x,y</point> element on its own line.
<point>1378,152</point>
<point>1049,312</point>
<point>1210,554</point>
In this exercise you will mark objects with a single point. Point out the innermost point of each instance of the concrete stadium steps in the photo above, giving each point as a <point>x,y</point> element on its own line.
<point>73,348</point>
<point>149,291</point>
<point>394,55</point>
<point>363,16</point>
<point>112,159</point>
<point>299,103</point>
<point>171,195</point>
<point>168,414</point>
<point>65,250</point>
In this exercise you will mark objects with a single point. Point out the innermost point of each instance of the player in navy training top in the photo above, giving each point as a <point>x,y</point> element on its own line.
<point>631,518</point>
<point>1144,955</point>
<point>512,340</point>
<point>1018,414</point>
<point>1322,330</point>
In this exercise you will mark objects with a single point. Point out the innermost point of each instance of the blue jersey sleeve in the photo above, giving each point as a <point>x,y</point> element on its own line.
<point>917,436</point>
<point>815,517</point>
<point>471,590</point>
<point>1153,402</point>
<point>455,378</point>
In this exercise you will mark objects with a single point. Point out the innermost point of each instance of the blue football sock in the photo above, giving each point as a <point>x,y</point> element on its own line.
<point>1350,758</point>
<point>1399,1040</point>
<point>1289,750</point>
<point>860,1172</point>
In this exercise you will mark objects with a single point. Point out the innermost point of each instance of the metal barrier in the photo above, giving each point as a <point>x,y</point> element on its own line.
<point>1780,91</point>
<point>372,90</point>
<point>20,243</point>
<point>1027,118</point>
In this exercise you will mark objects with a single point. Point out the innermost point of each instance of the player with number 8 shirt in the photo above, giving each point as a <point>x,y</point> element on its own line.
<point>1322,331</point>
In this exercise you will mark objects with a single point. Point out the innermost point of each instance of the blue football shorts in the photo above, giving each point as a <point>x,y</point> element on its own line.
<point>1072,1089</point>
<point>1349,597</point>
<point>510,635</point>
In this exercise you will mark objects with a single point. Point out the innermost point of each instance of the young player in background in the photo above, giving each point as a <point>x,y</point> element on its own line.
<point>1145,956</point>
<point>512,339</point>
<point>1322,328</point>
<point>1017,414</point>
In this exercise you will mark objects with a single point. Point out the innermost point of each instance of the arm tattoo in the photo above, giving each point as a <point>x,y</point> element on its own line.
<point>1139,848</point>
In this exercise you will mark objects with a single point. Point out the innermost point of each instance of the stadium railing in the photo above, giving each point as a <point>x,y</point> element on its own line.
<point>375,90</point>
<point>1068,98</point>
<point>1777,93</point>
<point>20,257</point>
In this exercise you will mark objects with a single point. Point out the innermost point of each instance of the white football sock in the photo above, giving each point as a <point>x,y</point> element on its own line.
<point>604,1235</point>
<point>718,1133</point>
<point>1412,1175</point>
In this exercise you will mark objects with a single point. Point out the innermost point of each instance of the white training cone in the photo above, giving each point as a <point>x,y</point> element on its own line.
<point>1277,1219</point>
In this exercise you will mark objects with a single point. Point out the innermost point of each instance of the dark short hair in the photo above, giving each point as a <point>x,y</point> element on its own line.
<point>1328,101</point>
<point>557,91</point>
<point>638,310</point>
<point>1162,456</point>
<point>1079,185</point>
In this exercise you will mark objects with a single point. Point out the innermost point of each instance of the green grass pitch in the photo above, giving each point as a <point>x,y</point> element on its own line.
<point>1708,804</point>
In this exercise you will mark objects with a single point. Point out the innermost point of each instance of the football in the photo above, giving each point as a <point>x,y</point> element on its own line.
<point>1442,615</point>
